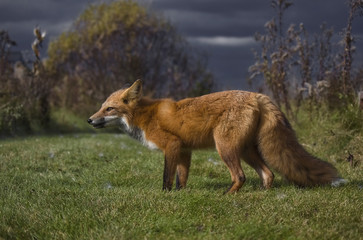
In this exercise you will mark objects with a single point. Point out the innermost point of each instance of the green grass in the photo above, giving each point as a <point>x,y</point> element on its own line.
<point>106,186</point>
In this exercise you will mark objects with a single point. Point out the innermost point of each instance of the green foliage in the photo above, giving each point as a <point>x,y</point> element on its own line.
<point>347,119</point>
<point>96,22</point>
<point>107,186</point>
<point>13,118</point>
<point>332,135</point>
<point>24,105</point>
<point>350,118</point>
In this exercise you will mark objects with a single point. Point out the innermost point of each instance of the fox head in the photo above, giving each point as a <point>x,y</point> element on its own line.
<point>117,107</point>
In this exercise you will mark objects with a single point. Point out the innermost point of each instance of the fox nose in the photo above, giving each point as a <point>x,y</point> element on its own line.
<point>89,121</point>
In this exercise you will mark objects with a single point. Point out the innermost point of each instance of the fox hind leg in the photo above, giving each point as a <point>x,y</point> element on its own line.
<point>252,157</point>
<point>175,158</point>
<point>182,170</point>
<point>169,173</point>
<point>231,158</point>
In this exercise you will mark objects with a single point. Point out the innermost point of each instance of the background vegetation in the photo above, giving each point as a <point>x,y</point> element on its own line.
<point>294,65</point>
<point>113,44</point>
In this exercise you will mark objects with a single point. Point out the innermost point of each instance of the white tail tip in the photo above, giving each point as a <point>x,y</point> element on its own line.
<point>338,182</point>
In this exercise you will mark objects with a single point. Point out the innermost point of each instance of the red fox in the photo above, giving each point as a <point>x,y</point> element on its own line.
<point>238,124</point>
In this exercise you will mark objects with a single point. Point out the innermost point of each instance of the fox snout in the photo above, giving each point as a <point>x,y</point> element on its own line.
<point>104,121</point>
<point>97,123</point>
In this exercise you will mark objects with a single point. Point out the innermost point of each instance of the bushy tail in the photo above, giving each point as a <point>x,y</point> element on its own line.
<point>281,150</point>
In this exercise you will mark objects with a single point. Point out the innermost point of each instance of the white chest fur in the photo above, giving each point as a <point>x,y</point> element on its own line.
<point>137,134</point>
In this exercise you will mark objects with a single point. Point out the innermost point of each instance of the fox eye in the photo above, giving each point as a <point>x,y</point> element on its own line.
<point>125,101</point>
<point>109,109</point>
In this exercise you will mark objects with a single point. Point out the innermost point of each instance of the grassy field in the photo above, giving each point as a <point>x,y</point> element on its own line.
<point>106,186</point>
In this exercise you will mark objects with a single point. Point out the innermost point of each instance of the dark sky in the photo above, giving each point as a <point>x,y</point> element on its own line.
<point>223,29</point>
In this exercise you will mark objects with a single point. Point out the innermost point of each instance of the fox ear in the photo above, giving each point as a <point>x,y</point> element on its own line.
<point>135,91</point>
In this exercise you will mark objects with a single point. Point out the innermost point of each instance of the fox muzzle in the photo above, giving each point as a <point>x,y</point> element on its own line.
<point>97,123</point>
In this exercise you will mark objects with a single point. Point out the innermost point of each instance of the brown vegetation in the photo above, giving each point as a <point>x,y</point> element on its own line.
<point>297,66</point>
<point>24,93</point>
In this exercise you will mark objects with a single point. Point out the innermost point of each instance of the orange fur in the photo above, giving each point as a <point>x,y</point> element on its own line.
<point>239,124</point>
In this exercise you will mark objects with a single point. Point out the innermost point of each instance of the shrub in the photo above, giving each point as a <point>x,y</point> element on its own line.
<point>114,44</point>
